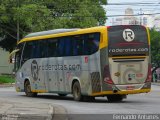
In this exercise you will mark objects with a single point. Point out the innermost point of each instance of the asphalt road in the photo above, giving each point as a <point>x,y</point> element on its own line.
<point>146,103</point>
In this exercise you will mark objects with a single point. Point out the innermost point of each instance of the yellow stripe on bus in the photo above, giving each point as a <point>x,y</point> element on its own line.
<point>40,91</point>
<point>122,92</point>
<point>149,38</point>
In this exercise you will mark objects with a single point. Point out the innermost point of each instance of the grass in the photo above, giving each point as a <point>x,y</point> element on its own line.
<point>6,79</point>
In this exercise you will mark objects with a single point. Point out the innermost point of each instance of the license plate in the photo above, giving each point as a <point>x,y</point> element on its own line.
<point>130,87</point>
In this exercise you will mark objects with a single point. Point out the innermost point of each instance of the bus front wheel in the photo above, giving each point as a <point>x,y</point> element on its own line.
<point>77,91</point>
<point>28,92</point>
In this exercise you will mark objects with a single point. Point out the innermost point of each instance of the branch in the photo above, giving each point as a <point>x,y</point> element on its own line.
<point>9,34</point>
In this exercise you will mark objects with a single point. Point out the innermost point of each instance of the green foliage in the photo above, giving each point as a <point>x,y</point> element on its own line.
<point>6,79</point>
<point>41,15</point>
<point>155,47</point>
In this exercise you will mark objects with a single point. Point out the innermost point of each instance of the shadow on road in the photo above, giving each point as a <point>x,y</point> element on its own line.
<point>97,99</point>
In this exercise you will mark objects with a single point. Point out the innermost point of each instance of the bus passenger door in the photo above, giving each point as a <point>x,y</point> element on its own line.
<point>51,75</point>
<point>54,75</point>
<point>52,81</point>
<point>60,75</point>
<point>63,52</point>
<point>41,81</point>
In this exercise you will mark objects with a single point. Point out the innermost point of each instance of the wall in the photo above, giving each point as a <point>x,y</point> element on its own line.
<point>5,67</point>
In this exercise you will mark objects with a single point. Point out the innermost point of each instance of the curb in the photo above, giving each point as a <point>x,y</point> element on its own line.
<point>10,111</point>
<point>60,113</point>
<point>7,85</point>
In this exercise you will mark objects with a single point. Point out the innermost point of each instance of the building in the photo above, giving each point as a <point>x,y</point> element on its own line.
<point>146,18</point>
<point>156,24</point>
<point>151,20</point>
<point>128,19</point>
<point>5,66</point>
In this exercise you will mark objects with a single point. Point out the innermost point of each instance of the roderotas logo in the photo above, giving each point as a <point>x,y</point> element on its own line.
<point>34,70</point>
<point>128,35</point>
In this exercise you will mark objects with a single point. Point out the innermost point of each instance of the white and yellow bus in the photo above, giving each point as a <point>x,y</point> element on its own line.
<point>109,61</point>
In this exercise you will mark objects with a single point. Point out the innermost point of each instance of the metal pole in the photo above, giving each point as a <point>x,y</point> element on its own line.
<point>18,22</point>
<point>140,16</point>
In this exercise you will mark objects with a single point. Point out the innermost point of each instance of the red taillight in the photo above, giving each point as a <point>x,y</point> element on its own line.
<point>108,27</point>
<point>106,75</point>
<point>149,76</point>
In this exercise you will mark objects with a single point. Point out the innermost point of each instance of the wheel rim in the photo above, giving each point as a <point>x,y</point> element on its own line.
<point>76,92</point>
<point>28,89</point>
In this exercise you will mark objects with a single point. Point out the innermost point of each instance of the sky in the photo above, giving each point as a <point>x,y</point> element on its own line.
<point>151,6</point>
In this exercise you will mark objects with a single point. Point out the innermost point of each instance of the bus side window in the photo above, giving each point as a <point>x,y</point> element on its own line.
<point>74,46</point>
<point>78,42</point>
<point>27,52</point>
<point>52,47</point>
<point>86,48</point>
<point>92,43</point>
<point>68,46</point>
<point>38,50</point>
<point>43,48</point>
<point>60,49</point>
<point>96,40</point>
<point>18,57</point>
<point>34,51</point>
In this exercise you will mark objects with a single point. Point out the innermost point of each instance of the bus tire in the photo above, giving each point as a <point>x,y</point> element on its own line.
<point>115,98</point>
<point>62,95</point>
<point>76,90</point>
<point>28,92</point>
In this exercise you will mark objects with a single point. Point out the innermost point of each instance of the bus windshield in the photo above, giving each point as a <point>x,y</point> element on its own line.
<point>128,41</point>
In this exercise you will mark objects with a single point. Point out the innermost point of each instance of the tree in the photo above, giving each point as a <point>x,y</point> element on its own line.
<point>40,15</point>
<point>155,48</point>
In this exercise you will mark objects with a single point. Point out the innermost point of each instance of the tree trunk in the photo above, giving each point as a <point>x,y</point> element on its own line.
<point>155,69</point>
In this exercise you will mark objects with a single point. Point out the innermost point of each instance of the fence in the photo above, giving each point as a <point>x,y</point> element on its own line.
<point>6,69</point>
<point>5,66</point>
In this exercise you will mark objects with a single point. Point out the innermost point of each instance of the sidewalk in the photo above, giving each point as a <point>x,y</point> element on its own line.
<point>28,111</point>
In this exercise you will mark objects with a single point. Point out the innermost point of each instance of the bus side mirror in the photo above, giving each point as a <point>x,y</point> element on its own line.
<point>12,59</point>
<point>12,56</point>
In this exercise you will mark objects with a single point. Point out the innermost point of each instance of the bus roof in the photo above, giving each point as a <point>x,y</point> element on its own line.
<point>50,32</point>
<point>60,33</point>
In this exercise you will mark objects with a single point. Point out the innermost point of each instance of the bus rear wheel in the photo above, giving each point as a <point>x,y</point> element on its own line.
<point>77,92</point>
<point>28,92</point>
<point>115,98</point>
